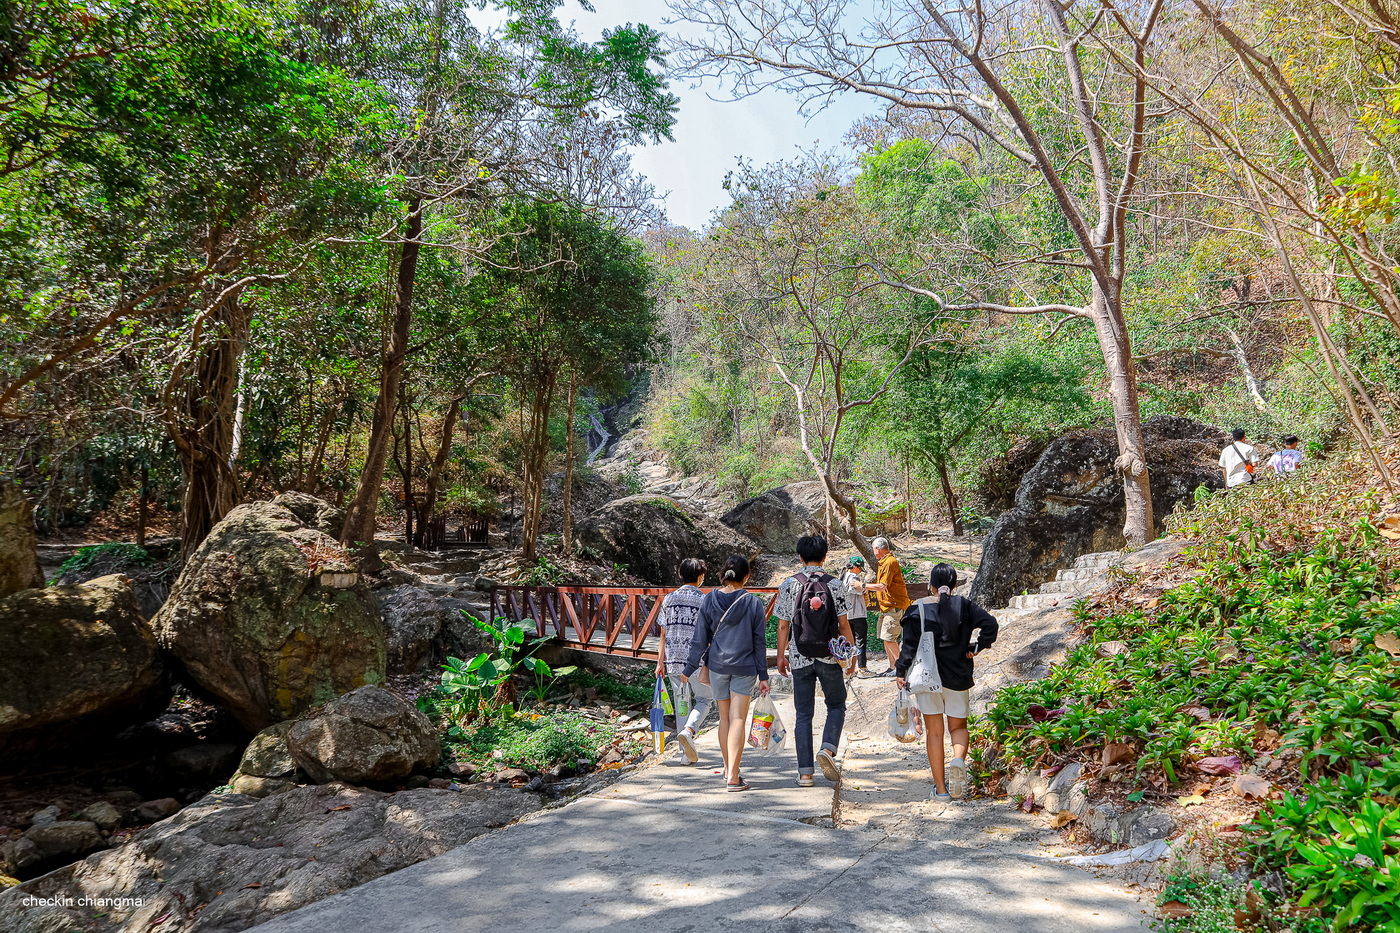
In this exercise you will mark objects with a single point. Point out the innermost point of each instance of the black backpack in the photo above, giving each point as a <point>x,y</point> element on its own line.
<point>812,628</point>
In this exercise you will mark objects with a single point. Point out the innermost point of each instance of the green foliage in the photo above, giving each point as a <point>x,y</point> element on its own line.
<point>479,688</point>
<point>544,573</point>
<point>114,551</point>
<point>1216,905</point>
<point>536,743</point>
<point>634,693</point>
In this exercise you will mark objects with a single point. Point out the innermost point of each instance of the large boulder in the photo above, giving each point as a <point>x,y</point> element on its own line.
<point>367,736</point>
<point>1071,502</point>
<point>777,518</point>
<point>75,661</point>
<point>413,625</point>
<point>19,561</point>
<point>650,535</point>
<point>150,574</point>
<point>269,617</point>
<point>230,862</point>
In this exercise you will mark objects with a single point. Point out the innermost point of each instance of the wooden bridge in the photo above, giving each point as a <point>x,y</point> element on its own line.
<point>616,620</point>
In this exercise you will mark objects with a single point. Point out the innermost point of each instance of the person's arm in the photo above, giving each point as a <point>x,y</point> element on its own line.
<point>986,625</point>
<point>784,633</point>
<point>760,643</point>
<point>910,630</point>
<point>660,650</point>
<point>844,625</point>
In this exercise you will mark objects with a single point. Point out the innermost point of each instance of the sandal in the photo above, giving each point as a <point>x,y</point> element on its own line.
<point>743,785</point>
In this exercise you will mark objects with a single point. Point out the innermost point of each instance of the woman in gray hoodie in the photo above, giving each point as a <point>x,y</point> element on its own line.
<point>731,640</point>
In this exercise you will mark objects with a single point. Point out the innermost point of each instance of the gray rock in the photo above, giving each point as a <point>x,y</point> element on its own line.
<point>1149,823</point>
<point>413,624</point>
<point>65,837</point>
<point>368,735</point>
<point>150,577</point>
<point>1071,502</point>
<point>102,813</point>
<point>296,847</point>
<point>255,786</point>
<point>79,663</point>
<point>267,755</point>
<point>269,617</point>
<point>154,810</point>
<point>19,559</point>
<point>18,854</point>
<point>204,762</point>
<point>650,535</point>
<point>46,817</point>
<point>313,513</point>
<point>777,518</point>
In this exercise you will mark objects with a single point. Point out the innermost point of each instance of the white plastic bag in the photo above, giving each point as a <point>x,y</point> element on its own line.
<point>923,675</point>
<point>684,702</point>
<point>767,733</point>
<point>906,724</point>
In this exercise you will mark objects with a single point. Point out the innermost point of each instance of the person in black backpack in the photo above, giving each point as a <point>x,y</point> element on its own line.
<point>811,610</point>
<point>949,621</point>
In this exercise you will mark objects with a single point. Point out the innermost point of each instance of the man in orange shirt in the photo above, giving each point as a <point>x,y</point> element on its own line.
<point>891,597</point>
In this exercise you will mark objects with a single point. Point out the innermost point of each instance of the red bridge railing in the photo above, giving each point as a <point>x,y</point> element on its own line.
<point>616,620</point>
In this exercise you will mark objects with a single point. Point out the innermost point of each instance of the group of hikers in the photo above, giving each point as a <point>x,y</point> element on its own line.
<point>715,645</point>
<point>1239,459</point>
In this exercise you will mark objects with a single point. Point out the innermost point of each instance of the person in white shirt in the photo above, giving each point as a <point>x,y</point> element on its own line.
<point>1237,460</point>
<point>1285,461</point>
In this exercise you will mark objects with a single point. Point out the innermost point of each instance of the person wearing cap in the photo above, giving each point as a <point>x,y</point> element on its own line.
<point>891,597</point>
<point>854,579</point>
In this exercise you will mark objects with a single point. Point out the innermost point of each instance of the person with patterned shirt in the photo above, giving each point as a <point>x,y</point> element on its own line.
<point>807,671</point>
<point>679,612</point>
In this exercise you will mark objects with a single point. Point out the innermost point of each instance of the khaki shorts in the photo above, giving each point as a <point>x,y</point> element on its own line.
<point>890,627</point>
<point>945,702</point>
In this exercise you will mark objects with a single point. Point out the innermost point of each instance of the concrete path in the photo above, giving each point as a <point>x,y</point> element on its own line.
<point>667,849</point>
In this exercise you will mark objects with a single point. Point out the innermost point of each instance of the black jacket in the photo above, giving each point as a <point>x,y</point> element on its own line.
<point>954,666</point>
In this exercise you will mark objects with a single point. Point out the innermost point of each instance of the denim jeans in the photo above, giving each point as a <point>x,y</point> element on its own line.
<point>804,697</point>
<point>860,628</point>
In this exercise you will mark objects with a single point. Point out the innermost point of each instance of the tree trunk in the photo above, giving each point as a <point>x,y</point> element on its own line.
<point>142,503</point>
<point>948,496</point>
<point>203,427</point>
<point>536,456</point>
<point>430,488</point>
<point>1112,331</point>
<point>568,529</point>
<point>406,473</point>
<point>359,523</point>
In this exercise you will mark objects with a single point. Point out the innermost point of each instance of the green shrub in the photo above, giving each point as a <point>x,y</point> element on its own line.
<point>536,743</point>
<point>115,552</point>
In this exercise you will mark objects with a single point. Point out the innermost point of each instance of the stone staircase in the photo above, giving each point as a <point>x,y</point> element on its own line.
<point>1068,585</point>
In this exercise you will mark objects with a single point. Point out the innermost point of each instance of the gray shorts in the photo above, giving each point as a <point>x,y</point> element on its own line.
<point>722,685</point>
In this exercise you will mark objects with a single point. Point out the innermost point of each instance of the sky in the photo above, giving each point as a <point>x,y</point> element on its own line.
<point>713,132</point>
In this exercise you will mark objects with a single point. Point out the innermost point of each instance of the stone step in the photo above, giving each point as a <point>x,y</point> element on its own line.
<point>1059,587</point>
<point>1102,559</point>
<point>1077,574</point>
<point>1035,601</point>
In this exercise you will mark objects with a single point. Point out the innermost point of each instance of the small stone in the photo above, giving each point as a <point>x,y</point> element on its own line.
<point>440,783</point>
<point>46,817</point>
<point>154,810</point>
<point>102,813</point>
<point>65,837</point>
<point>461,769</point>
<point>510,776</point>
<point>536,784</point>
<point>417,782</point>
<point>17,854</point>
<point>257,786</point>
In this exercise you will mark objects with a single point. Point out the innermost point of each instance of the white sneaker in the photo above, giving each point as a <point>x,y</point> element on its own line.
<point>828,765</point>
<point>687,740</point>
<point>957,778</point>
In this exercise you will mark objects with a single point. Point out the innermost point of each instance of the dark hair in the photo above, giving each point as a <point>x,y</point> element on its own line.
<point>812,548</point>
<point>1290,439</point>
<point>692,569</point>
<point>1237,434</point>
<point>736,568</point>
<point>944,575</point>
